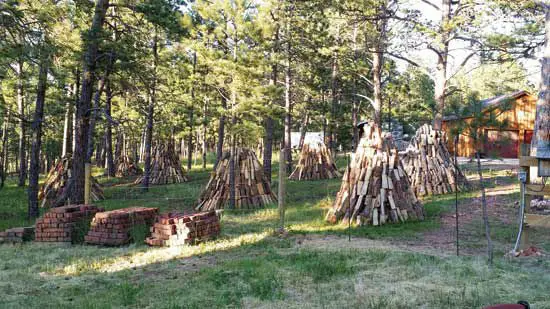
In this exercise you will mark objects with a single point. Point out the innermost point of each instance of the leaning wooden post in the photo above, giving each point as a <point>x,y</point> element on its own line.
<point>87,183</point>
<point>281,189</point>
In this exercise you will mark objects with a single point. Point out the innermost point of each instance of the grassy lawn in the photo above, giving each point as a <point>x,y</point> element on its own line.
<point>250,266</point>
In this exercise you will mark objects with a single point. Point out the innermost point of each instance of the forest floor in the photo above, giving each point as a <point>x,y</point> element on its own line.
<point>412,265</point>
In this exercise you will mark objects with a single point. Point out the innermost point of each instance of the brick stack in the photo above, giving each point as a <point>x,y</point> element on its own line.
<point>176,229</point>
<point>17,235</point>
<point>62,223</point>
<point>114,228</point>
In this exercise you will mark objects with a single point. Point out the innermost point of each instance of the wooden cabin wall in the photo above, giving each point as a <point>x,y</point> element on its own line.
<point>521,119</point>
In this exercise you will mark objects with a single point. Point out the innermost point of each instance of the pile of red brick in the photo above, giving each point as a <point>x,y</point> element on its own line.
<point>61,224</point>
<point>114,228</point>
<point>176,229</point>
<point>17,235</point>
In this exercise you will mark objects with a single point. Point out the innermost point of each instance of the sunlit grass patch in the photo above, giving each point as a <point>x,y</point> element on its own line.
<point>131,257</point>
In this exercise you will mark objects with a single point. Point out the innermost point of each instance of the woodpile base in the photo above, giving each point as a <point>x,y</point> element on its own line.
<point>315,163</point>
<point>55,190</point>
<point>252,189</point>
<point>429,165</point>
<point>117,227</point>
<point>17,235</point>
<point>166,167</point>
<point>179,229</point>
<point>375,189</point>
<point>126,167</point>
<point>64,224</point>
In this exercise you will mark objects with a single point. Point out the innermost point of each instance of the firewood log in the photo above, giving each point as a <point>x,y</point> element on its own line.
<point>315,163</point>
<point>126,167</point>
<point>378,192</point>
<point>166,167</point>
<point>54,191</point>
<point>252,189</point>
<point>429,165</point>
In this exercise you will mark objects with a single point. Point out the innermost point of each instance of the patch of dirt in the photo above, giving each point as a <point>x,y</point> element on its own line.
<point>499,207</point>
<point>440,242</point>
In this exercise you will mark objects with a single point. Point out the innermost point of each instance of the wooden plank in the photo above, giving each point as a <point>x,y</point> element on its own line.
<point>528,161</point>
<point>537,220</point>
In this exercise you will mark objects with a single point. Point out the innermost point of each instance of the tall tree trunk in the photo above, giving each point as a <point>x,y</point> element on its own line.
<point>268,122</point>
<point>221,129</point>
<point>334,105</point>
<point>542,121</point>
<point>67,127</point>
<point>120,146</point>
<point>354,103</point>
<point>288,96</point>
<point>91,45</point>
<point>377,85</point>
<point>303,129</point>
<point>109,160</point>
<point>204,131</point>
<point>36,131</point>
<point>440,86</point>
<point>93,119</point>
<point>4,153</point>
<point>378,63</point>
<point>324,118</point>
<point>150,118</point>
<point>22,127</point>
<point>190,137</point>
<point>233,151</point>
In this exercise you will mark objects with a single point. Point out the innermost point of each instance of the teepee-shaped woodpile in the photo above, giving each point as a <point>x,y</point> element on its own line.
<point>252,189</point>
<point>375,189</point>
<point>315,163</point>
<point>55,190</point>
<point>165,167</point>
<point>429,165</point>
<point>126,167</point>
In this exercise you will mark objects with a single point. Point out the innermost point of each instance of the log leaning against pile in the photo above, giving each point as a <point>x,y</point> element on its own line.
<point>166,167</point>
<point>429,165</point>
<point>252,189</point>
<point>378,189</point>
<point>55,190</point>
<point>315,163</point>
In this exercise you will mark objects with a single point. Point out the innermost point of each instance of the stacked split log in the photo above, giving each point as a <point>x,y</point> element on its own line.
<point>315,163</point>
<point>116,227</point>
<point>165,167</point>
<point>55,190</point>
<point>17,235</point>
<point>375,189</point>
<point>429,165</point>
<point>252,189</point>
<point>126,167</point>
<point>176,229</point>
<point>63,224</point>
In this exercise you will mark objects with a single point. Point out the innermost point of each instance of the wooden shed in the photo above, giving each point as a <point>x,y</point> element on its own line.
<point>502,142</point>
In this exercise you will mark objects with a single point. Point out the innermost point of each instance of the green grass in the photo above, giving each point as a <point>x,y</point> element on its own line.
<point>13,210</point>
<point>251,266</point>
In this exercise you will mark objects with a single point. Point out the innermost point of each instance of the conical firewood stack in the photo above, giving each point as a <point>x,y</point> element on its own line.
<point>165,167</point>
<point>252,189</point>
<point>375,189</point>
<point>126,167</point>
<point>55,190</point>
<point>315,163</point>
<point>429,165</point>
